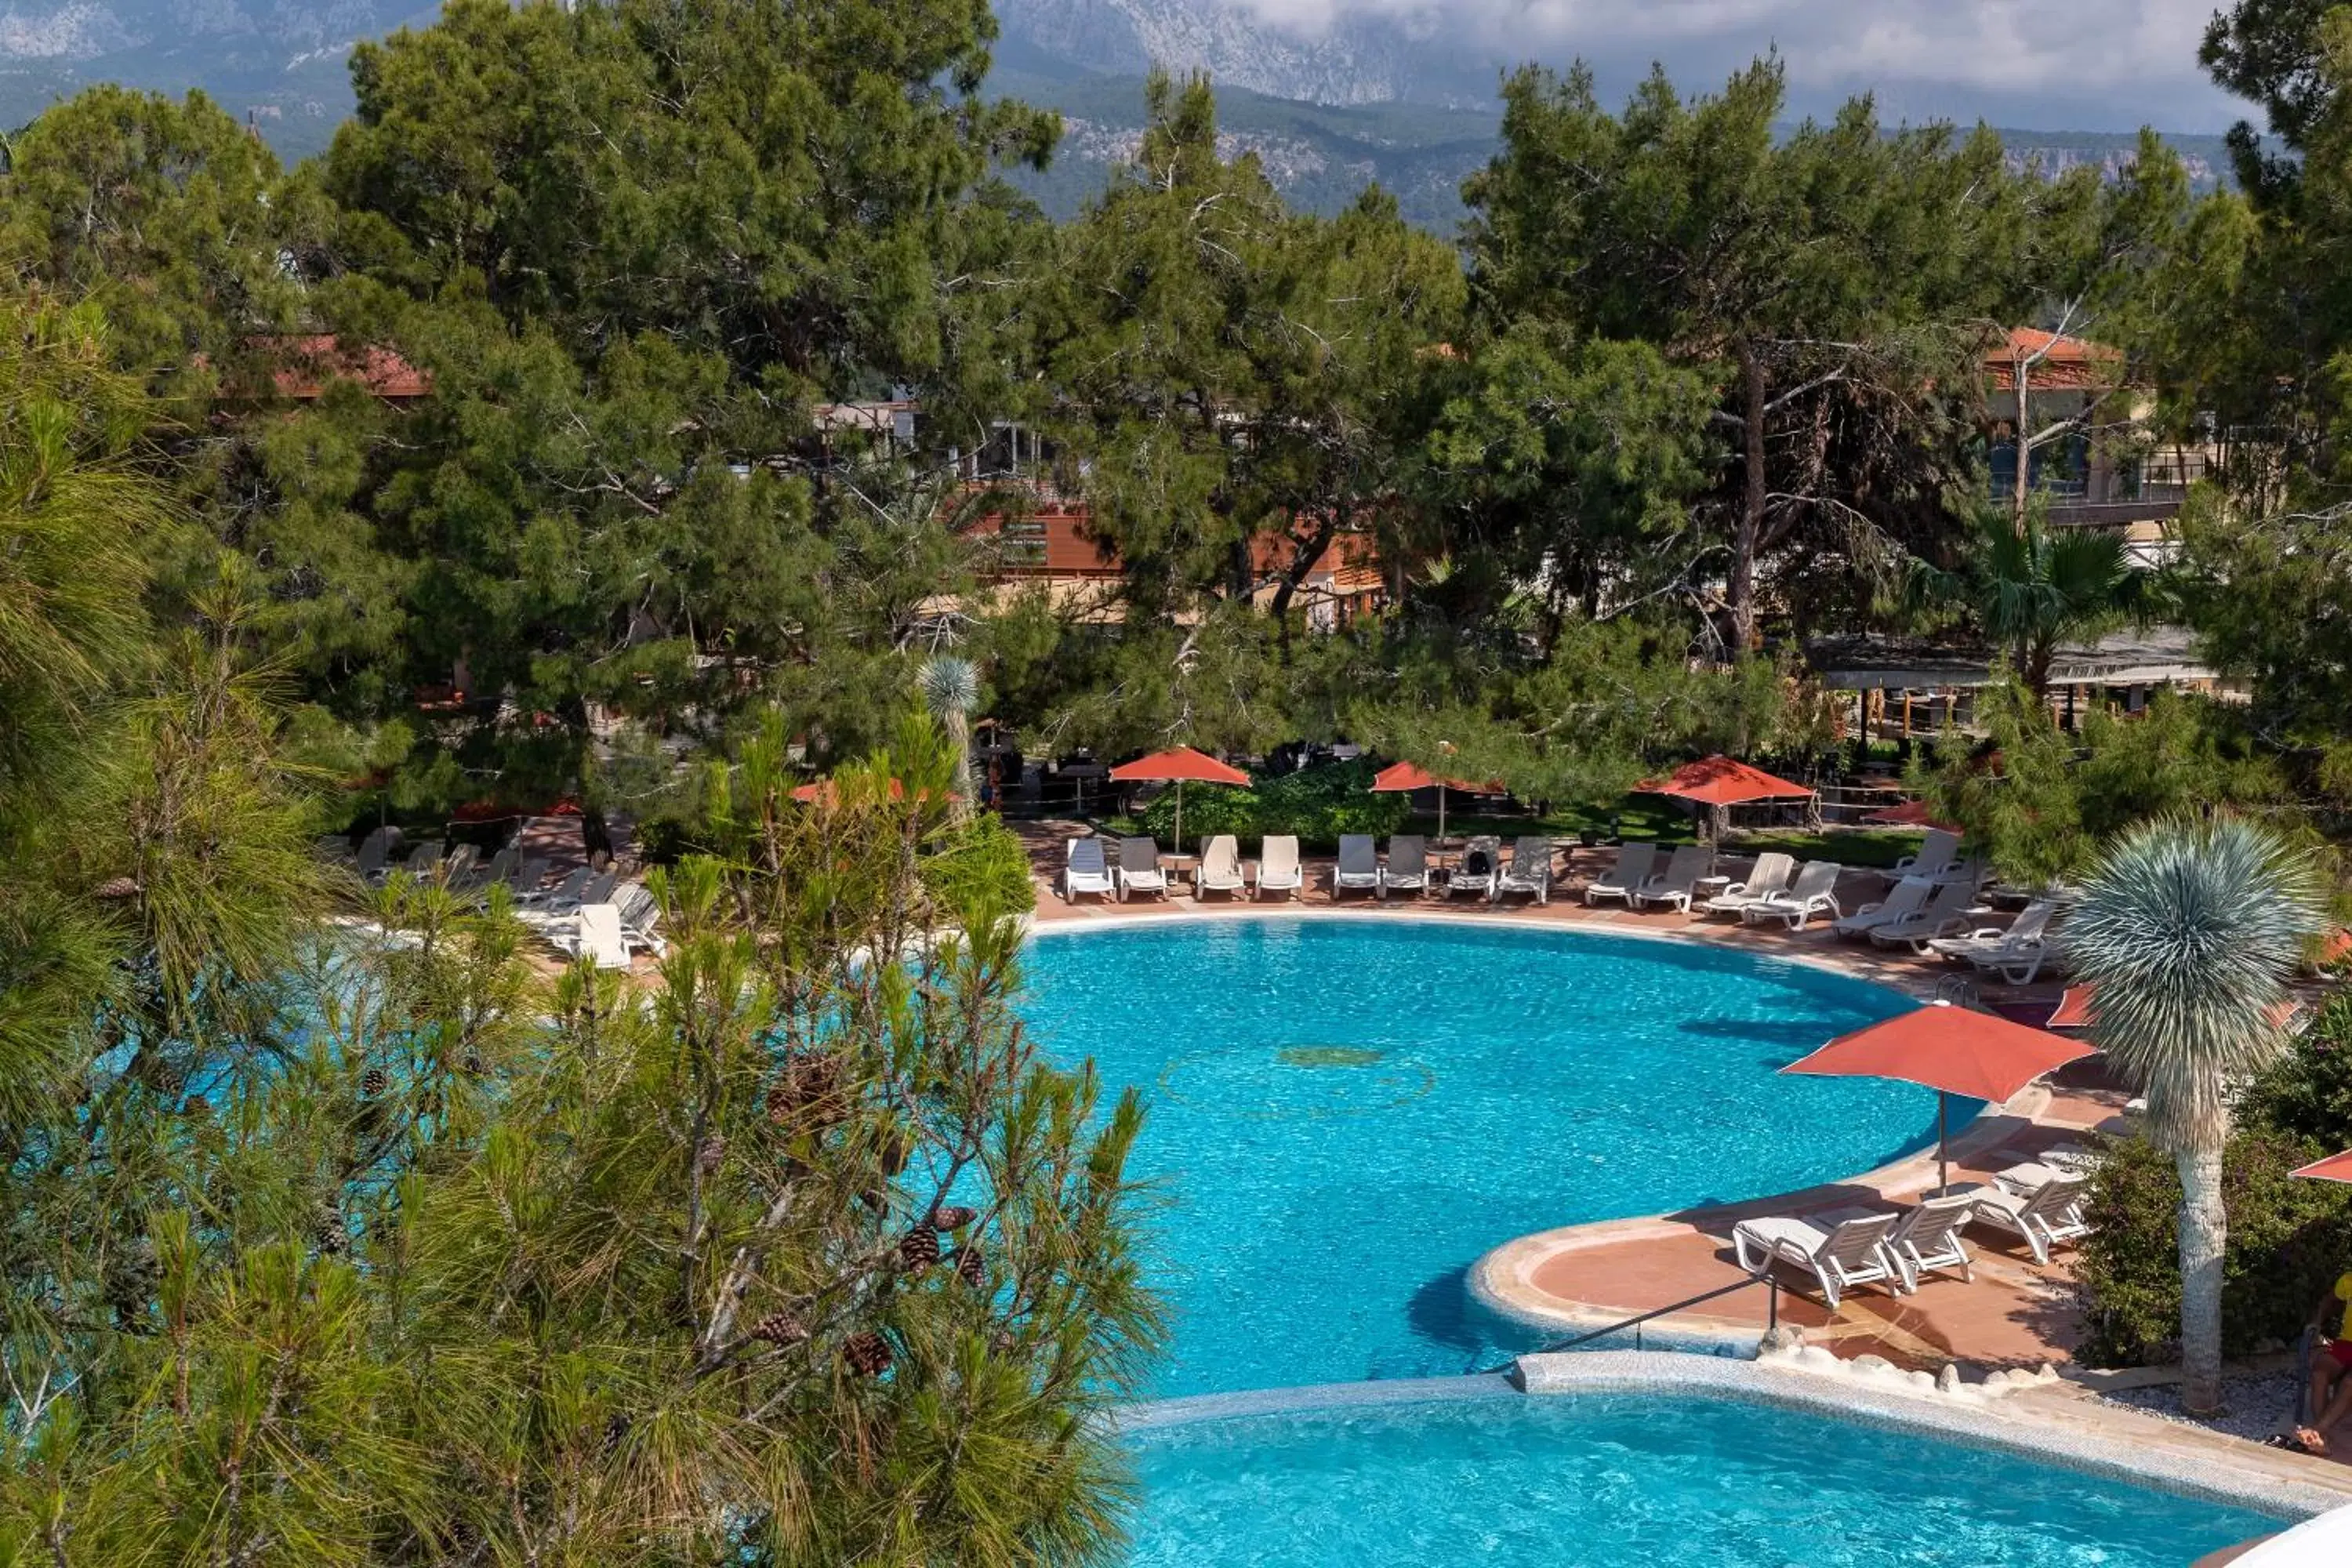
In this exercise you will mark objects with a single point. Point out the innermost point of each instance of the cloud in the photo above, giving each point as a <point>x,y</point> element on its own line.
<point>2073,64</point>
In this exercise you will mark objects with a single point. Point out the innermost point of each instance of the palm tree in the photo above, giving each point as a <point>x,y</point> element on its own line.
<point>2031,587</point>
<point>951,689</point>
<point>2188,930</point>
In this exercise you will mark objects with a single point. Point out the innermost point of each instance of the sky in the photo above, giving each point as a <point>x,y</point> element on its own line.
<point>2081,65</point>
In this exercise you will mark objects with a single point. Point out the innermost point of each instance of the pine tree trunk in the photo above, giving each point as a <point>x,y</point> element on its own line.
<point>958,724</point>
<point>2204,1230</point>
<point>2025,455</point>
<point>1740,592</point>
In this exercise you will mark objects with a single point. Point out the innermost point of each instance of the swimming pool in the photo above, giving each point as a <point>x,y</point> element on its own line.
<point>1642,1481</point>
<point>1344,1115</point>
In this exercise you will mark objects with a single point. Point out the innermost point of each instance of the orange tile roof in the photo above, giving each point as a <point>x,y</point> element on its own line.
<point>310,363</point>
<point>2066,362</point>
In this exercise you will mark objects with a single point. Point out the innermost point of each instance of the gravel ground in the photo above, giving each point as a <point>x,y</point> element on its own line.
<point>2253,1407</point>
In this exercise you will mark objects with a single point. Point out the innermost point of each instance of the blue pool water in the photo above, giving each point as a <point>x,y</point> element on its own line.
<point>1345,1115</point>
<point>1607,1481</point>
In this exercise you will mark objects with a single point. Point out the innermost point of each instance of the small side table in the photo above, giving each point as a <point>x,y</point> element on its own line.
<point>1706,888</point>
<point>1180,868</point>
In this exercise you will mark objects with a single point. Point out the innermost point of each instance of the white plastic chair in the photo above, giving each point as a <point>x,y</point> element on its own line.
<point>1851,1253</point>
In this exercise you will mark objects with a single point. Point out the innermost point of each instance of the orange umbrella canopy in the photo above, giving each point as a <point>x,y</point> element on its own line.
<point>1400,778</point>
<point>1948,1049</point>
<point>2074,1011</point>
<point>1720,780</point>
<point>1180,765</point>
<point>824,791</point>
<point>2335,1168</point>
<point>1910,813</point>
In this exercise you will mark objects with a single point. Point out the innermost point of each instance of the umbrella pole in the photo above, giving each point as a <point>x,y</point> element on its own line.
<point>1943,1150</point>
<point>1441,811</point>
<point>1179,816</point>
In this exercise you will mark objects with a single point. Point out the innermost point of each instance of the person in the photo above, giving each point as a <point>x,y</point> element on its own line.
<point>2331,1370</point>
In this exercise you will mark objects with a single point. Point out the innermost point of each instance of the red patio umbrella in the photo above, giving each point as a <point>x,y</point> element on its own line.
<point>1179,765</point>
<point>1910,813</point>
<point>824,791</point>
<point>1720,780</point>
<point>2074,1011</point>
<point>2335,1168</point>
<point>1404,778</point>
<point>1950,1051</point>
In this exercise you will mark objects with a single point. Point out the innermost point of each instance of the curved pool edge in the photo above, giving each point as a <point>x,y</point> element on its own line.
<point>2100,1440</point>
<point>1722,939</point>
<point>1499,1278</point>
<point>1502,1279</point>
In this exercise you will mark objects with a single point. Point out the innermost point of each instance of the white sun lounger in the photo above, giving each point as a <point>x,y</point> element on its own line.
<point>562,899</point>
<point>1813,893</point>
<point>1221,866</point>
<point>2015,954</point>
<point>1852,1252</point>
<point>1278,866</point>
<point>1620,880</point>
<point>1139,868</point>
<point>1481,870</point>
<point>1946,912</point>
<point>1673,886</point>
<point>1407,870</point>
<point>1939,852</point>
<point>1359,865</point>
<point>1084,871</point>
<point>1908,898</point>
<point>2048,1214</point>
<point>1530,870</point>
<point>1972,874</point>
<point>1928,1236</point>
<point>598,937</point>
<point>1767,878</point>
<point>376,849</point>
<point>639,915</point>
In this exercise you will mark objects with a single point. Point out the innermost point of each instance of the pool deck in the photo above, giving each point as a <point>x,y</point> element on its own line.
<point>2015,1313</point>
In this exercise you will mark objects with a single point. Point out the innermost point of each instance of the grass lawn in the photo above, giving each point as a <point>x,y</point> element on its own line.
<point>1880,848</point>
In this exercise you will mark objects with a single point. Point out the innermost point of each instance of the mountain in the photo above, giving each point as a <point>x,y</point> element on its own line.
<point>1409,58</point>
<point>281,62</point>
<point>1391,97</point>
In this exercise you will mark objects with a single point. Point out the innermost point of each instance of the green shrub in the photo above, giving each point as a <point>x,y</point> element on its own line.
<point>981,872</point>
<point>2289,1240</point>
<point>1208,809</point>
<point>1317,805</point>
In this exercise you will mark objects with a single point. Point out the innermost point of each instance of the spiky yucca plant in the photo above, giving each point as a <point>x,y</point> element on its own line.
<point>2188,930</point>
<point>950,688</point>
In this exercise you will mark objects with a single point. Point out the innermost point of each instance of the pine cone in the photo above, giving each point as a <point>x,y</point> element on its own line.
<point>867,1353</point>
<point>919,1250</point>
<point>473,1063</point>
<point>897,1149</point>
<point>971,1267</point>
<point>779,1329</point>
<point>713,1150</point>
<point>373,1082</point>
<point>329,1232</point>
<point>617,1426</point>
<point>954,1218</point>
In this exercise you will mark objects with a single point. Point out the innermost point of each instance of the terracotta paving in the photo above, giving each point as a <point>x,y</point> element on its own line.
<point>2016,1312</point>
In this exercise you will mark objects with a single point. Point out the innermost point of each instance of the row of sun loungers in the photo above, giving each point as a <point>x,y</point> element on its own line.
<point>1360,868</point>
<point>1851,1247</point>
<point>590,914</point>
<point>1932,907</point>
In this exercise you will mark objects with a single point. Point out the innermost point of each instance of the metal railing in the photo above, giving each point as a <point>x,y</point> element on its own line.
<point>1771,1317</point>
